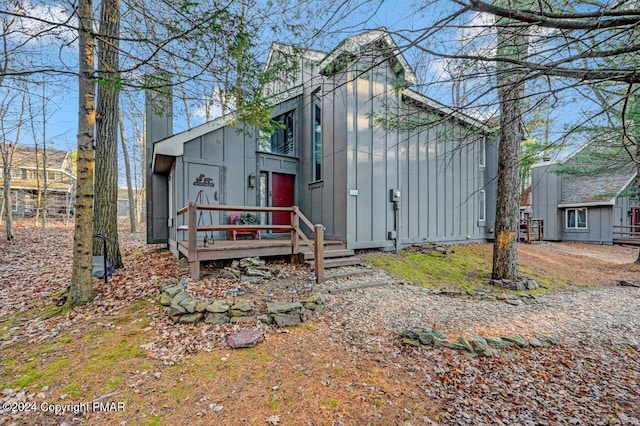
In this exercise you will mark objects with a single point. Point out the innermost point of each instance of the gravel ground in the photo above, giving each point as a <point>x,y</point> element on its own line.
<point>598,316</point>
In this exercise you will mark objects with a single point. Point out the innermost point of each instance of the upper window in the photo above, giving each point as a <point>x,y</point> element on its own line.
<point>482,206</point>
<point>316,120</point>
<point>482,155</point>
<point>577,218</point>
<point>282,141</point>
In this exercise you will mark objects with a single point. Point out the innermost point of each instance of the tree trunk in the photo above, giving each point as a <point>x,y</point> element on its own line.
<point>106,190</point>
<point>81,285</point>
<point>127,167</point>
<point>8,218</point>
<point>512,43</point>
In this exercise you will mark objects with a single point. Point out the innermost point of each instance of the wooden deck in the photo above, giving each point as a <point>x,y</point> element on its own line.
<point>229,249</point>
<point>627,241</point>
<point>295,246</point>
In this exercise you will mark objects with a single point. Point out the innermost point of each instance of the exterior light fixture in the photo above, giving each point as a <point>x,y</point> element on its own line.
<point>293,292</point>
<point>268,296</point>
<point>251,181</point>
<point>234,293</point>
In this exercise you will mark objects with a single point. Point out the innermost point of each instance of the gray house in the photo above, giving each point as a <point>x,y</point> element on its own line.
<point>358,151</point>
<point>587,197</point>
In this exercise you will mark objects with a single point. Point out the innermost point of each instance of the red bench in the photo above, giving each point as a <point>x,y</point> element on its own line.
<point>255,233</point>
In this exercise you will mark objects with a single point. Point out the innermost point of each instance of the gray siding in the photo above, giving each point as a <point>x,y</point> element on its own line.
<point>546,193</point>
<point>435,167</point>
<point>599,221</point>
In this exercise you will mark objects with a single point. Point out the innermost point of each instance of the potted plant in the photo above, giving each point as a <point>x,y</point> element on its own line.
<point>248,219</point>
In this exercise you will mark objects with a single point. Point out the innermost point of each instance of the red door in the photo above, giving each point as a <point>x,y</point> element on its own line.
<point>282,195</point>
<point>635,221</point>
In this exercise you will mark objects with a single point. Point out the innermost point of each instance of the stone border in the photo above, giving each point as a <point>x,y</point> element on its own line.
<point>184,308</point>
<point>483,346</point>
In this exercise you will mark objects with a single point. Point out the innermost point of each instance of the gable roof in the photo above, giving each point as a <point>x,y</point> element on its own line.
<point>354,45</point>
<point>600,175</point>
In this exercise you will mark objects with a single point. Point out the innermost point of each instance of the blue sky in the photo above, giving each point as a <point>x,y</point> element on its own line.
<point>62,103</point>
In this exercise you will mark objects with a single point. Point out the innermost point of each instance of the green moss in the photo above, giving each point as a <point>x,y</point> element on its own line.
<point>154,421</point>
<point>331,402</point>
<point>464,268</point>
<point>274,404</point>
<point>114,383</point>
<point>65,340</point>
<point>73,389</point>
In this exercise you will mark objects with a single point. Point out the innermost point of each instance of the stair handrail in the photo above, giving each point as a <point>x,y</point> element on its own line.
<point>317,245</point>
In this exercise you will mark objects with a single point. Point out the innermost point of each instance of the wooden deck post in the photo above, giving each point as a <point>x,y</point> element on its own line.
<point>295,223</point>
<point>318,252</point>
<point>192,241</point>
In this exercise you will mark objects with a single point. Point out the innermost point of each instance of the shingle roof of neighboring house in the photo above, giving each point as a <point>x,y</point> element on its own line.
<point>25,156</point>
<point>603,177</point>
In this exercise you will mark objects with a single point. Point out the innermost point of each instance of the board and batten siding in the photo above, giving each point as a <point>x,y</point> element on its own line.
<point>436,169</point>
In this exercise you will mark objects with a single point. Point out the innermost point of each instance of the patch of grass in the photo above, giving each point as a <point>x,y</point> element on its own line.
<point>65,340</point>
<point>274,404</point>
<point>331,402</point>
<point>114,383</point>
<point>146,366</point>
<point>134,255</point>
<point>154,421</point>
<point>466,268</point>
<point>73,389</point>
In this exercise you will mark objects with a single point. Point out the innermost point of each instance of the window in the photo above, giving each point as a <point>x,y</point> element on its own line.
<point>482,206</point>
<point>282,141</point>
<point>52,175</point>
<point>577,218</point>
<point>316,138</point>
<point>482,155</point>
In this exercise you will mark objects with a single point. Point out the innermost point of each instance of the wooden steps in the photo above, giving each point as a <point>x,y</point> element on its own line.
<point>330,253</point>
<point>334,262</point>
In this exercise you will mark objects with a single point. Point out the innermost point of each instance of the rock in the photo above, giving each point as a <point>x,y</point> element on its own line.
<point>310,306</point>
<point>157,374</point>
<point>179,297</point>
<point>498,343</point>
<point>217,307</point>
<point>536,343</point>
<point>410,342</point>
<point>518,339</point>
<point>241,320</point>
<point>481,346</point>
<point>629,283</point>
<point>190,318</point>
<point>243,306</point>
<point>550,340</point>
<point>409,334</point>
<point>287,320</point>
<point>165,299</point>
<point>514,301</point>
<point>464,342</point>
<point>502,296</point>
<point>520,286</point>
<point>189,304</point>
<point>426,337</point>
<point>251,280</point>
<point>314,298</point>
<point>201,306</point>
<point>266,319</point>
<point>258,272</point>
<point>229,273</point>
<point>530,283</point>
<point>216,318</point>
<point>248,262</point>
<point>244,339</point>
<point>283,307</point>
<point>448,344</point>
<point>173,290</point>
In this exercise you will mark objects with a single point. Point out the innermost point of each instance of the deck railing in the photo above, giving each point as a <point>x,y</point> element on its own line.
<point>626,232</point>
<point>192,228</point>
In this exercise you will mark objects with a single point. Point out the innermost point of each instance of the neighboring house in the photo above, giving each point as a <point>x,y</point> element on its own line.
<point>24,181</point>
<point>351,133</point>
<point>588,197</point>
